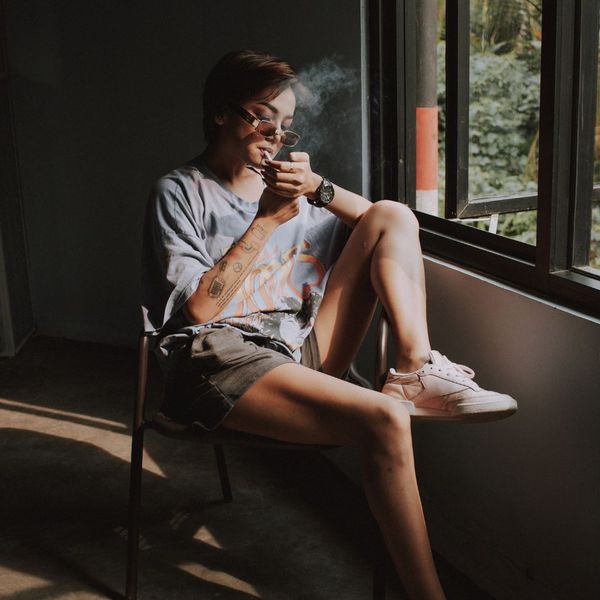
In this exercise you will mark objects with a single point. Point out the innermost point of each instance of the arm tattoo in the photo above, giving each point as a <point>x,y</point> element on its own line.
<point>246,246</point>
<point>216,287</point>
<point>224,291</point>
<point>233,289</point>
<point>259,232</point>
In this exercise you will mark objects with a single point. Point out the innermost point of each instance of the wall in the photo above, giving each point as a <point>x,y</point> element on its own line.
<point>107,98</point>
<point>16,317</point>
<point>514,504</point>
<point>517,502</point>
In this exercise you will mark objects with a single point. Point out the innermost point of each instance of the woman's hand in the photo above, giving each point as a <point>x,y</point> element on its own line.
<point>276,208</point>
<point>293,178</point>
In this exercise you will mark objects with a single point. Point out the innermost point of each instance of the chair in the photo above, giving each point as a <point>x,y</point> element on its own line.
<point>217,439</point>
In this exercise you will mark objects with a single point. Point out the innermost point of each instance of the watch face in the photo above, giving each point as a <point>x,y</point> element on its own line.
<point>326,192</point>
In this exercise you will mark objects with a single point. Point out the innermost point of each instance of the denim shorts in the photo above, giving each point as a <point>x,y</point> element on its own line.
<point>210,372</point>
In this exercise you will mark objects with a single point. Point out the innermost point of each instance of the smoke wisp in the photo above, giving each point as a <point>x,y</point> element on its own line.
<point>328,117</point>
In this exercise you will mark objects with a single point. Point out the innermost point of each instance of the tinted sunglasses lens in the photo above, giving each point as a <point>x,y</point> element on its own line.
<point>289,138</point>
<point>267,129</point>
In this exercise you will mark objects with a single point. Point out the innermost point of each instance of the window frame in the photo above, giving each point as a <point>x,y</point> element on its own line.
<point>586,57</point>
<point>564,199</point>
<point>457,202</point>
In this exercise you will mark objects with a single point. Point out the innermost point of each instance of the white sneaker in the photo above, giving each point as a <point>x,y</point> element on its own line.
<point>443,390</point>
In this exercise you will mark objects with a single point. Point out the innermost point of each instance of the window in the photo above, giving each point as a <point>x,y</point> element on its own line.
<point>485,120</point>
<point>497,101</point>
<point>587,213</point>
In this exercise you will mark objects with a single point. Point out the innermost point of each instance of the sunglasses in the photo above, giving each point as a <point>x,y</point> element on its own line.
<point>267,128</point>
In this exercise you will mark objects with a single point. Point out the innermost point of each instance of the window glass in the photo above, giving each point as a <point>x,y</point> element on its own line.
<point>594,254</point>
<point>504,101</point>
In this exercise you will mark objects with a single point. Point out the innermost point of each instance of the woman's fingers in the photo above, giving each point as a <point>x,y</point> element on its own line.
<point>285,167</point>
<point>277,177</point>
<point>282,166</point>
<point>300,157</point>
<point>285,190</point>
<point>289,178</point>
<point>295,177</point>
<point>290,184</point>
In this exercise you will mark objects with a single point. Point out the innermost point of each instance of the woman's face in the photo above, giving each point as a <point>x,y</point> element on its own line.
<point>251,145</point>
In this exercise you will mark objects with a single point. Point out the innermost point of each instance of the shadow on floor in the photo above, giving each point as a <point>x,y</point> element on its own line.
<point>297,529</point>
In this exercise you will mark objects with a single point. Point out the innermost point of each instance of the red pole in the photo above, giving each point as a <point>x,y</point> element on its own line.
<point>427,110</point>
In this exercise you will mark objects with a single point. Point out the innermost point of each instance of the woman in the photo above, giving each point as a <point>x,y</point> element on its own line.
<point>262,306</point>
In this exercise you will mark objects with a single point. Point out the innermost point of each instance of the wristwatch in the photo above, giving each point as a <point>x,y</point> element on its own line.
<point>323,194</point>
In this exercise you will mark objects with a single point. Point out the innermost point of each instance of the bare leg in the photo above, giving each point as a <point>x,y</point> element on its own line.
<point>297,404</point>
<point>382,259</point>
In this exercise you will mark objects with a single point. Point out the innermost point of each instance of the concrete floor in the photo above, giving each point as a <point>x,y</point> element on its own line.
<point>297,529</point>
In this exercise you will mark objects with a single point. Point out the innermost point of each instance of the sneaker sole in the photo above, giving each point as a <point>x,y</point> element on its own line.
<point>475,412</point>
<point>440,415</point>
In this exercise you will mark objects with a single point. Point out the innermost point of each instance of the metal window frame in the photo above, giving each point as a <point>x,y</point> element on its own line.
<point>457,107</point>
<point>457,204</point>
<point>392,156</point>
<point>570,197</point>
<point>585,193</point>
<point>544,269</point>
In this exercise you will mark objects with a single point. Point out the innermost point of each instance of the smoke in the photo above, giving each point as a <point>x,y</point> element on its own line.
<point>322,81</point>
<point>328,117</point>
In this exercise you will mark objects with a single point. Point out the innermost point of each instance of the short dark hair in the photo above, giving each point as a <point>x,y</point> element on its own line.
<point>240,76</point>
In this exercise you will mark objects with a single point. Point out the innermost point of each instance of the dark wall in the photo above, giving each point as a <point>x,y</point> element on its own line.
<point>107,97</point>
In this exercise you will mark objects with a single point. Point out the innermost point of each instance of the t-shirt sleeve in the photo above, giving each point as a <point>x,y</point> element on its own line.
<point>174,255</point>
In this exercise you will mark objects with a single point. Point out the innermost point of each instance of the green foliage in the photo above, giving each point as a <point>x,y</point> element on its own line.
<point>520,226</point>
<point>503,112</point>
<point>507,26</point>
<point>595,239</point>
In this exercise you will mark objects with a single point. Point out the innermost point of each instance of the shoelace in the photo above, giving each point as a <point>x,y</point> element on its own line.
<point>461,371</point>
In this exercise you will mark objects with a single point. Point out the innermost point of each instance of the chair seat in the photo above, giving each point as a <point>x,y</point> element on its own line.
<point>217,438</point>
<point>221,435</point>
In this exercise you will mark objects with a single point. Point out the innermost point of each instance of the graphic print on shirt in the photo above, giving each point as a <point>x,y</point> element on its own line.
<point>270,301</point>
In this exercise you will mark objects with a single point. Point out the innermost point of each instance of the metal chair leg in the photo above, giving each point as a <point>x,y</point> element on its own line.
<point>135,504</point>
<point>223,474</point>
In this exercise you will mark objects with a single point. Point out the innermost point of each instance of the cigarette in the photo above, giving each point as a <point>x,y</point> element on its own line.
<point>268,156</point>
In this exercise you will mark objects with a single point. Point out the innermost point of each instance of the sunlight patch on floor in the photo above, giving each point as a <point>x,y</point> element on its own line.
<point>14,581</point>
<point>15,405</point>
<point>205,536</point>
<point>58,423</point>
<point>219,578</point>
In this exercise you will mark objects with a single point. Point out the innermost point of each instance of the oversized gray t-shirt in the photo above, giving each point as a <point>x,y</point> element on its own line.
<point>192,220</point>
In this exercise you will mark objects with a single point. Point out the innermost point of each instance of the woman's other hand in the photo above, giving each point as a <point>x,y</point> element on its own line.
<point>293,178</point>
<point>276,208</point>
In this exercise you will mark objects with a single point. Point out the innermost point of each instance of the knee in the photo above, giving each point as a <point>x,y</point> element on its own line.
<point>394,214</point>
<point>388,427</point>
